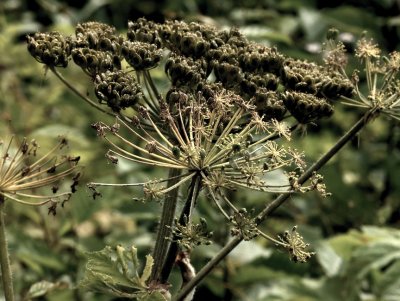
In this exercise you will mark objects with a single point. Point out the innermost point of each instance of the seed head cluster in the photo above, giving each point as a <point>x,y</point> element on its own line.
<point>224,119</point>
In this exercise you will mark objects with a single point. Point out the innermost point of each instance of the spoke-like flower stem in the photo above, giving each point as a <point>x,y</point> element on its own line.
<point>6,275</point>
<point>73,89</point>
<point>350,134</point>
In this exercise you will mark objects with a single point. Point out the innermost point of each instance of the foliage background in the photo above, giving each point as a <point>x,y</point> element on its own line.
<point>355,232</point>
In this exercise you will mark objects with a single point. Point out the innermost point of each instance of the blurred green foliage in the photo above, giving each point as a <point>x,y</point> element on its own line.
<point>354,232</point>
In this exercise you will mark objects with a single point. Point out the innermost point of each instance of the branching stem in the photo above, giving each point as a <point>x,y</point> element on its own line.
<point>271,207</point>
<point>186,212</point>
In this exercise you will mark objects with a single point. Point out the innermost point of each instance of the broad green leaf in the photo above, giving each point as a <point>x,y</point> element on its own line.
<point>262,33</point>
<point>345,244</point>
<point>115,271</point>
<point>366,266</point>
<point>373,257</point>
<point>330,261</point>
<point>352,19</point>
<point>249,274</point>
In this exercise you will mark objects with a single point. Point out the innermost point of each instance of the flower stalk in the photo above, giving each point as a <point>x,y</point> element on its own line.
<point>6,274</point>
<point>166,224</point>
<point>185,217</point>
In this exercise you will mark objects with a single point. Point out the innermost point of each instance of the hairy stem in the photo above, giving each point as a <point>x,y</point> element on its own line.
<point>165,227</point>
<point>4,258</point>
<point>271,207</point>
<point>186,211</point>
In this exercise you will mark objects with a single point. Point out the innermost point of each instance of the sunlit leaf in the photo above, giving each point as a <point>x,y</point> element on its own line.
<point>115,271</point>
<point>42,288</point>
<point>329,260</point>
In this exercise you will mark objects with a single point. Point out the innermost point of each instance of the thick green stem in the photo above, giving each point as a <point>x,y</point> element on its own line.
<point>4,258</point>
<point>350,134</point>
<point>165,227</point>
<point>186,211</point>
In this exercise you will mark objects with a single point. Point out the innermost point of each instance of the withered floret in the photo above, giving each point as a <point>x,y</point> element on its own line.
<point>98,36</point>
<point>306,107</point>
<point>117,89</point>
<point>268,104</point>
<point>95,62</point>
<point>303,76</point>
<point>141,55</point>
<point>185,71</point>
<point>51,49</point>
<point>145,31</point>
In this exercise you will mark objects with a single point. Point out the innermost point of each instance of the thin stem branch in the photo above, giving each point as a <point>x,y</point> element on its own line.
<point>6,275</point>
<point>73,89</point>
<point>350,134</point>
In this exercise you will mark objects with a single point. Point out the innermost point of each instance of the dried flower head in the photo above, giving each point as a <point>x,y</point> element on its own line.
<point>366,49</point>
<point>140,55</point>
<point>22,170</point>
<point>51,49</point>
<point>293,242</point>
<point>244,224</point>
<point>117,89</point>
<point>190,235</point>
<point>220,122</point>
<point>335,55</point>
<point>383,93</point>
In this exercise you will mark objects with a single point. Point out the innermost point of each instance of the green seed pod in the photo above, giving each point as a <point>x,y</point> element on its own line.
<point>236,148</point>
<point>185,71</point>
<point>144,31</point>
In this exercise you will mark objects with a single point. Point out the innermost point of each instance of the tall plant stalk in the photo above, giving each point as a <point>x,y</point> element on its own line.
<point>164,230</point>
<point>186,212</point>
<point>6,274</point>
<point>271,207</point>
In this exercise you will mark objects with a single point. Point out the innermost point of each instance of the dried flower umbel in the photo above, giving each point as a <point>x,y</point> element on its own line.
<point>29,179</point>
<point>22,170</point>
<point>217,129</point>
<point>381,72</point>
<point>189,235</point>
